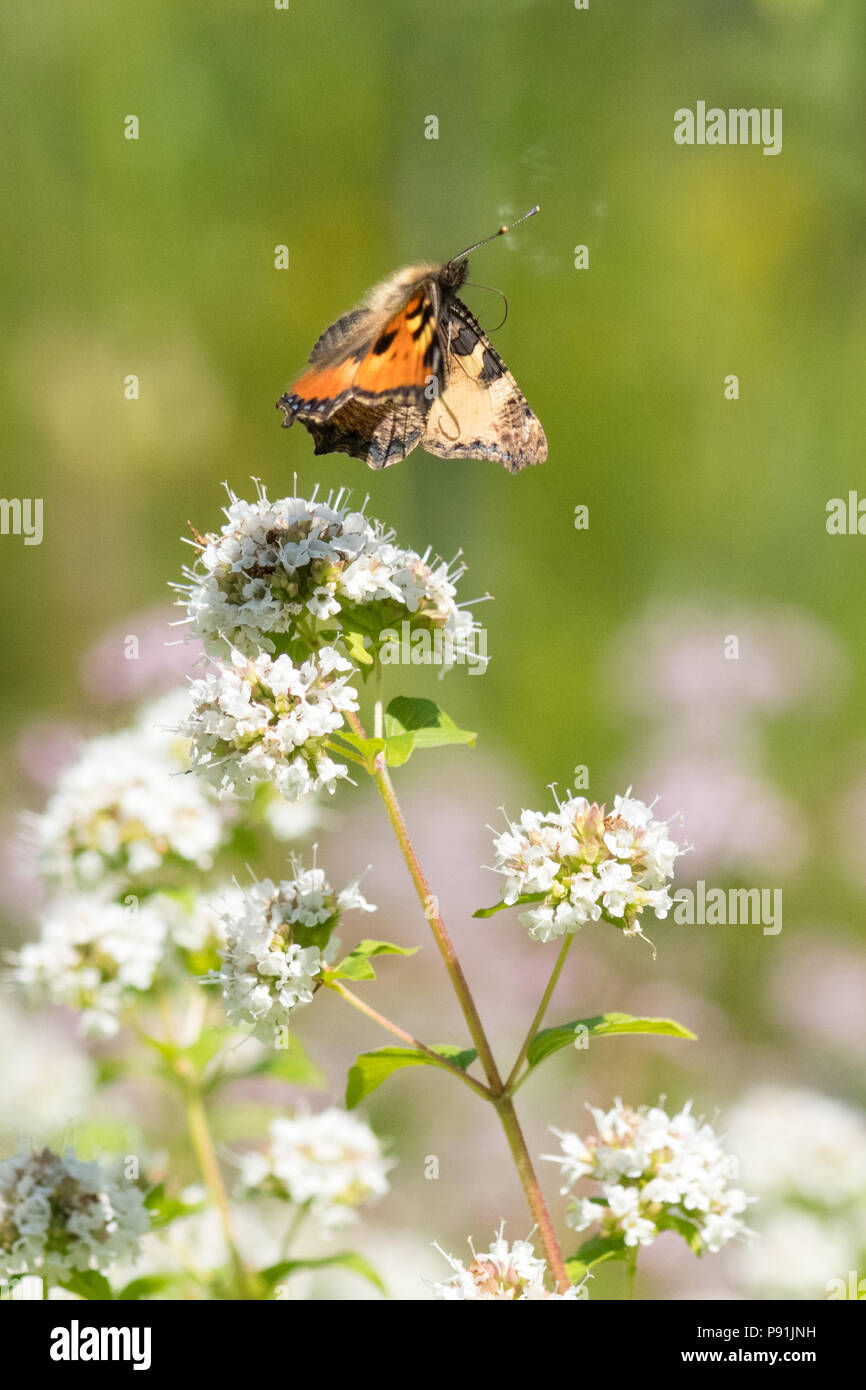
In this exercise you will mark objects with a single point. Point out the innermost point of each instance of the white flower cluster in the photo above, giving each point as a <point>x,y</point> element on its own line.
<point>583,864</point>
<point>62,1214</point>
<point>804,1154</point>
<point>260,719</point>
<point>93,955</point>
<point>798,1145</point>
<point>656,1172</point>
<point>302,567</point>
<point>802,1254</point>
<point>123,808</point>
<point>331,1160</point>
<point>47,1079</point>
<point>504,1271</point>
<point>278,938</point>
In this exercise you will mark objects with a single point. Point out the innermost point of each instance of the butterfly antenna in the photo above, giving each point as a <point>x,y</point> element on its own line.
<point>474,285</point>
<point>501,232</point>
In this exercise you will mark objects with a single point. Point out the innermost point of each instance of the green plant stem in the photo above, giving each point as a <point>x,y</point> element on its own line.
<point>510,1084</point>
<point>202,1142</point>
<point>407,1038</point>
<point>343,752</point>
<point>430,904</point>
<point>532,1188</point>
<point>501,1100</point>
<point>631,1272</point>
<point>379,705</point>
<point>294,1227</point>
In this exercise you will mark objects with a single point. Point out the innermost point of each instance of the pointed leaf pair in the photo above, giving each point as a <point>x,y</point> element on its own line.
<point>356,966</point>
<point>372,1068</point>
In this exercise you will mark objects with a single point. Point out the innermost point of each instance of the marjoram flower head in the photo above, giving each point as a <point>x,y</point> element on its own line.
<point>511,1272</point>
<point>124,810</point>
<point>62,1214</point>
<point>579,863</point>
<point>331,1161</point>
<point>657,1172</point>
<point>279,936</point>
<point>95,956</point>
<point>289,575</point>
<point>264,719</point>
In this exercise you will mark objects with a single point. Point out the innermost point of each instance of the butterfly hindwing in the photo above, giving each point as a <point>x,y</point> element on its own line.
<point>380,432</point>
<point>481,413</point>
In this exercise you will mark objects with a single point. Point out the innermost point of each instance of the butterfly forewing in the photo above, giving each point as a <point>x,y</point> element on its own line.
<point>405,355</point>
<point>369,358</point>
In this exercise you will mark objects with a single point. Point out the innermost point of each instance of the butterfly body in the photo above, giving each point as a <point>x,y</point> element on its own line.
<point>411,365</point>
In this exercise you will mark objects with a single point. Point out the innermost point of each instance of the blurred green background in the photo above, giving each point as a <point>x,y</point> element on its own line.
<point>305,127</point>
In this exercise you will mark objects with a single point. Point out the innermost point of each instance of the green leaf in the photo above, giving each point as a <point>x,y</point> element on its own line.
<point>399,749</point>
<point>372,1068</point>
<point>683,1227</point>
<point>164,1209</point>
<point>598,1249</point>
<point>88,1283</point>
<point>108,1069</point>
<point>194,1060</point>
<point>429,724</point>
<point>366,618</point>
<point>500,907</point>
<point>550,1040</point>
<point>347,1260</point>
<point>292,1064</point>
<point>354,644</point>
<point>356,966</point>
<point>206,1047</point>
<point>168,1051</point>
<point>288,644</point>
<point>368,748</point>
<point>149,1284</point>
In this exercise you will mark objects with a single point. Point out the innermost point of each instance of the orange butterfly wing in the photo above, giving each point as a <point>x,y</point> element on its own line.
<point>320,390</point>
<point>405,355</point>
<point>395,364</point>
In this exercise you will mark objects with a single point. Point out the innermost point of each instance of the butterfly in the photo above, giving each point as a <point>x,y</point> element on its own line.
<point>412,365</point>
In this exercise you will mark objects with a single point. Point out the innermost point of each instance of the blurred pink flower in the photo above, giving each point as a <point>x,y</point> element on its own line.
<point>734,818</point>
<point>818,992</point>
<point>45,747</point>
<point>785,659</point>
<point>139,657</point>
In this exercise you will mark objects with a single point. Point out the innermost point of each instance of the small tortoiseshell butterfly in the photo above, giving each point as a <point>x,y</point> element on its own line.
<point>411,365</point>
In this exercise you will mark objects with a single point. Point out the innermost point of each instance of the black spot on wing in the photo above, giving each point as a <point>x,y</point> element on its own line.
<point>425,319</point>
<point>464,340</point>
<point>491,367</point>
<point>383,342</point>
